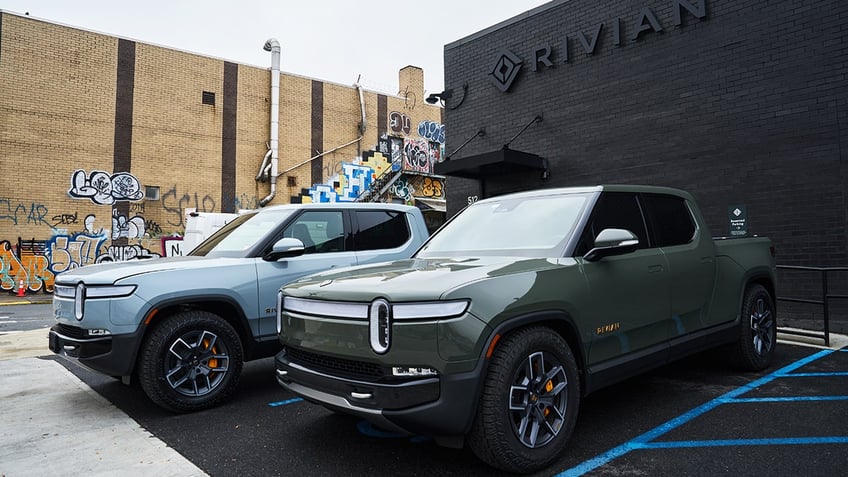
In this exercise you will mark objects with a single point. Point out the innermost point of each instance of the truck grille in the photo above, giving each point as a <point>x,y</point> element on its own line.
<point>346,368</point>
<point>72,332</point>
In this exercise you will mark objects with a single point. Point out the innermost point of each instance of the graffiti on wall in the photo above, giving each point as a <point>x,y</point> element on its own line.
<point>175,203</point>
<point>241,201</point>
<point>416,156</point>
<point>30,269</point>
<point>355,179</point>
<point>67,252</point>
<point>402,189</point>
<point>427,187</point>
<point>399,123</point>
<point>19,213</point>
<point>432,131</point>
<point>127,228</point>
<point>123,253</point>
<point>105,189</point>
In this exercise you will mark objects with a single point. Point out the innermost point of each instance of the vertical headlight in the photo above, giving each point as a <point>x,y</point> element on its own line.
<point>380,325</point>
<point>279,311</point>
<point>79,301</point>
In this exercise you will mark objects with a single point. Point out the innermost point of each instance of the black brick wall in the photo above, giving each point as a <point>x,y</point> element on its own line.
<point>748,105</point>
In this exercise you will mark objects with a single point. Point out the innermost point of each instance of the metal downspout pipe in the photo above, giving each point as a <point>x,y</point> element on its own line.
<point>273,46</point>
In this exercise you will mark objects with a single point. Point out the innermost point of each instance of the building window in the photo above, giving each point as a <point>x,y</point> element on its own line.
<point>291,181</point>
<point>209,98</point>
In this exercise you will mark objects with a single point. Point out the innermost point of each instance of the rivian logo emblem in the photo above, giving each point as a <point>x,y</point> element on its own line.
<point>505,70</point>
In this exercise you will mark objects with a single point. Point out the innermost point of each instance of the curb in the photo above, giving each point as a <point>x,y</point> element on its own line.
<point>43,301</point>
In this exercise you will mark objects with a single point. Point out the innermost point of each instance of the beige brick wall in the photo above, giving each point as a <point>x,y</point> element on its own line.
<point>57,116</point>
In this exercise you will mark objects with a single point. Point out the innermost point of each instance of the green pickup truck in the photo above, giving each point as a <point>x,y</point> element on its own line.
<point>521,305</point>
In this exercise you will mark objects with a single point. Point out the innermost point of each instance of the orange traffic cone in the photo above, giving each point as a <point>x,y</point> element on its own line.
<point>21,289</point>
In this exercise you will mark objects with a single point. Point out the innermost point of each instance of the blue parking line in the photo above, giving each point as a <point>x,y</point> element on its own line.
<point>640,442</point>
<point>792,399</point>
<point>815,375</point>
<point>747,442</point>
<point>283,403</point>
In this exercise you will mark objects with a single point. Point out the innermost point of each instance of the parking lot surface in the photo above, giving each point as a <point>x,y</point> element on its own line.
<point>694,417</point>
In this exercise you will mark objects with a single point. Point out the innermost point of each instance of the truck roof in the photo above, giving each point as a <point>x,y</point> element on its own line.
<point>343,205</point>
<point>599,188</point>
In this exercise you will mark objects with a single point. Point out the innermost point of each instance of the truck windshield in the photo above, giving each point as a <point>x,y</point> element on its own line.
<point>523,226</point>
<point>237,237</point>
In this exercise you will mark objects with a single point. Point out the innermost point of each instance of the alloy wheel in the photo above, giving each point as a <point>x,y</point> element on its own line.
<point>196,363</point>
<point>538,400</point>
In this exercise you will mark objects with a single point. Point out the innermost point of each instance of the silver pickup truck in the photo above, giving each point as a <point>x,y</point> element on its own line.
<point>183,326</point>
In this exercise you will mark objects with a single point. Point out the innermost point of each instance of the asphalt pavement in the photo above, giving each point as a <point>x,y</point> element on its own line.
<point>52,422</point>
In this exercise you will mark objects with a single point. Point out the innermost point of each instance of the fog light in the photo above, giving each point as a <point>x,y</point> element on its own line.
<point>402,371</point>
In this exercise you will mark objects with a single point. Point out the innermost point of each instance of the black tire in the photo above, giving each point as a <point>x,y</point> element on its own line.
<point>754,348</point>
<point>516,399</point>
<point>190,361</point>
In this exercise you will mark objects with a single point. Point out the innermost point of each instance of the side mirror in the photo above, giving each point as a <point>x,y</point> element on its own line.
<point>612,242</point>
<point>284,248</point>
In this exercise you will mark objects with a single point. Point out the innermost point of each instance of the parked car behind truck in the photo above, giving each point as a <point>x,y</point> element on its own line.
<point>518,308</point>
<point>183,326</point>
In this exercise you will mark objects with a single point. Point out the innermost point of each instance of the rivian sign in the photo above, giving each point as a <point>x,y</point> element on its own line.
<point>507,65</point>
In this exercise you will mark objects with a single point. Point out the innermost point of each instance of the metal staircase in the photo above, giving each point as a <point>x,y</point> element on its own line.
<point>379,186</point>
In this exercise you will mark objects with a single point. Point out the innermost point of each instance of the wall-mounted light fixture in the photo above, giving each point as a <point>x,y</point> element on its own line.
<point>447,95</point>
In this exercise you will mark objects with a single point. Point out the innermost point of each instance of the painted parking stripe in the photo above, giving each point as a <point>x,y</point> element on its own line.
<point>747,442</point>
<point>815,375</point>
<point>283,403</point>
<point>640,442</point>
<point>791,399</point>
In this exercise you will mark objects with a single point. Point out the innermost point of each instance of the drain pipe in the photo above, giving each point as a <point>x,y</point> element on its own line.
<point>273,46</point>
<point>362,125</point>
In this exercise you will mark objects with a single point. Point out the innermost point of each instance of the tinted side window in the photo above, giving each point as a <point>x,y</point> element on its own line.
<point>614,210</point>
<point>669,219</point>
<point>380,229</point>
<point>320,231</point>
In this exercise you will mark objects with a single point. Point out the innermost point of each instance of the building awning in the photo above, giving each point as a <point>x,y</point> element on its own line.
<point>495,163</point>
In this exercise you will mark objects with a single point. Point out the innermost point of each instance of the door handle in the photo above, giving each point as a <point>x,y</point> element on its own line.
<point>655,268</point>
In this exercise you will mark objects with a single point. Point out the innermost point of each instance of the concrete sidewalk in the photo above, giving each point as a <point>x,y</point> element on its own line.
<point>51,423</point>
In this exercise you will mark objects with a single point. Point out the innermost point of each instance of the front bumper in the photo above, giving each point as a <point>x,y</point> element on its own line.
<point>113,355</point>
<point>434,406</point>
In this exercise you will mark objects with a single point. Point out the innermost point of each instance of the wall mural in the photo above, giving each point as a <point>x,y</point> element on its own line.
<point>392,154</point>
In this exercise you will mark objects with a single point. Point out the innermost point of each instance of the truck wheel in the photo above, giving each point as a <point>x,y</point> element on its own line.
<point>757,330</point>
<point>530,401</point>
<point>190,361</point>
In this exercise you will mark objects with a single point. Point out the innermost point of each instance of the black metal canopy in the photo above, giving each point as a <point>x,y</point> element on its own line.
<point>494,163</point>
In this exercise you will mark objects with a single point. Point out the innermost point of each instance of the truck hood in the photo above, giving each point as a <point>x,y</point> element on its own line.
<point>414,279</point>
<point>109,273</point>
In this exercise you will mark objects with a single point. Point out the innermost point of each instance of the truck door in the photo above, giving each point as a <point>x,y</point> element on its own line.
<point>690,253</point>
<point>629,294</point>
<point>324,239</point>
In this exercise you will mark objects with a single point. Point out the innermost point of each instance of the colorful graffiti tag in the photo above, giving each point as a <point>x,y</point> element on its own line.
<point>432,131</point>
<point>416,156</point>
<point>30,269</point>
